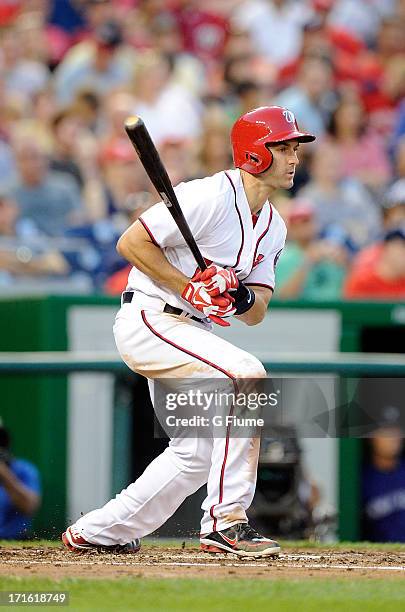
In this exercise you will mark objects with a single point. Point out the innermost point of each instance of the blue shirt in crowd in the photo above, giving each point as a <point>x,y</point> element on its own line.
<point>14,525</point>
<point>384,503</point>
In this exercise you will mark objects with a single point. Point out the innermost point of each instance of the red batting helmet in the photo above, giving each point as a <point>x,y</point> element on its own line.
<point>254,130</point>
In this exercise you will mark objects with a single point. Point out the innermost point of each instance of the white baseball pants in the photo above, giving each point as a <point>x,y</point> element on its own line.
<point>159,345</point>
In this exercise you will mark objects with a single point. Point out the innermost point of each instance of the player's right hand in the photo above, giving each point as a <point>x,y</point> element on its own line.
<point>217,280</point>
<point>216,308</point>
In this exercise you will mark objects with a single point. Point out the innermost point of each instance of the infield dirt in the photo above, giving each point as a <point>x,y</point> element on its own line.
<point>189,562</point>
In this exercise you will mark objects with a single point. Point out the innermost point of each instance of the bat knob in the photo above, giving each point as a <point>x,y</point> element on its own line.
<point>132,121</point>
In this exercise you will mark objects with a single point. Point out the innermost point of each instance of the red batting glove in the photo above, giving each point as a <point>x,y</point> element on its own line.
<point>218,280</point>
<point>196,294</point>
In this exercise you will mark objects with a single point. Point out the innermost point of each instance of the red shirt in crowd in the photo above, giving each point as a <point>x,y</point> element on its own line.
<point>118,281</point>
<point>204,33</point>
<point>364,281</point>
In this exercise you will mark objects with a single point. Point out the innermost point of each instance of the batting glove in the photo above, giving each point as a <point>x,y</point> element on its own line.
<point>218,280</point>
<point>216,308</point>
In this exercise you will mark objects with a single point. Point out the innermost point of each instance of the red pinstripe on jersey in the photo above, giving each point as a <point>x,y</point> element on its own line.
<point>229,375</point>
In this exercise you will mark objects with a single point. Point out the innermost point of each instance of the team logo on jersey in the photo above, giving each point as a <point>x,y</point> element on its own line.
<point>258,259</point>
<point>289,116</point>
<point>277,257</point>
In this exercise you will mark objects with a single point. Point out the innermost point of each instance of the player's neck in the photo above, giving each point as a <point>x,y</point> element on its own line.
<point>256,192</point>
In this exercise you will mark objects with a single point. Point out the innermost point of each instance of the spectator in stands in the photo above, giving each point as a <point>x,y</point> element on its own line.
<point>349,132</point>
<point>322,39</point>
<point>385,88</point>
<point>106,59</point>
<point>383,482</point>
<point>49,199</point>
<point>139,20</point>
<point>204,30</point>
<point>75,153</point>
<point>87,106</point>
<point>394,205</point>
<point>23,251</point>
<point>20,492</point>
<point>383,279</point>
<point>389,39</point>
<point>166,39</point>
<point>238,69</point>
<point>34,123</point>
<point>393,215</point>
<point>23,76</point>
<point>44,107</point>
<point>9,10</point>
<point>249,94</point>
<point>342,205</point>
<point>116,283</point>
<point>178,158</point>
<point>123,189</point>
<point>309,268</point>
<point>160,102</point>
<point>102,63</point>
<point>66,135</point>
<point>312,98</point>
<point>214,152</point>
<point>399,131</point>
<point>275,27</point>
<point>399,161</point>
<point>123,175</point>
<point>7,162</point>
<point>98,12</point>
<point>115,110</point>
<point>361,17</point>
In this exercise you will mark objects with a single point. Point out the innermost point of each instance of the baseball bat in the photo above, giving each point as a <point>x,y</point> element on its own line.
<point>150,159</point>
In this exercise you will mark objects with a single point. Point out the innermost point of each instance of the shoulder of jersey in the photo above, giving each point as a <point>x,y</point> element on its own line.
<point>277,218</point>
<point>208,186</point>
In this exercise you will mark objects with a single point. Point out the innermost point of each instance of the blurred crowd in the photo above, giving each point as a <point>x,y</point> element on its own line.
<point>71,71</point>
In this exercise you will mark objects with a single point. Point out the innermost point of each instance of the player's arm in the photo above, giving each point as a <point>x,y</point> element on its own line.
<point>256,314</point>
<point>137,247</point>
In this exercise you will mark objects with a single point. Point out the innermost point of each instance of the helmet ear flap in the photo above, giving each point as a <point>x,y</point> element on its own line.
<point>269,156</point>
<point>258,162</point>
<point>252,158</point>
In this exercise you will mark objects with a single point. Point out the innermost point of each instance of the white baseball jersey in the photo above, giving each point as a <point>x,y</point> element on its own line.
<point>220,219</point>
<point>157,345</point>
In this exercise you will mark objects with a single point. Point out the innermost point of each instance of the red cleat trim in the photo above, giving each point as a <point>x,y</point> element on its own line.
<point>209,548</point>
<point>68,544</point>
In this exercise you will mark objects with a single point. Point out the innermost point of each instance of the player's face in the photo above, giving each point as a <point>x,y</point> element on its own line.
<point>282,171</point>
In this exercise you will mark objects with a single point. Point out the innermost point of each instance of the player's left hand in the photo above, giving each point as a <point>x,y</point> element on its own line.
<point>218,280</point>
<point>216,308</point>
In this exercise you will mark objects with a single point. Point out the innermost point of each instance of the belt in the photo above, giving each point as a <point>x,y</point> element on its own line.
<point>127,299</point>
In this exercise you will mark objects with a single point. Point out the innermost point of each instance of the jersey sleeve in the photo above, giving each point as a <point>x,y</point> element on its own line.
<point>267,256</point>
<point>198,210</point>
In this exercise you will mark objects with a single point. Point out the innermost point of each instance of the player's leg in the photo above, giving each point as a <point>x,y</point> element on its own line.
<point>148,502</point>
<point>232,476</point>
<point>156,345</point>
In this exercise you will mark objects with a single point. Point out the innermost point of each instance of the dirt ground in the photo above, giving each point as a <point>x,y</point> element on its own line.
<point>158,562</point>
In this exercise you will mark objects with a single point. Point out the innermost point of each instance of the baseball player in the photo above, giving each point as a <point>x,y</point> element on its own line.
<point>164,326</point>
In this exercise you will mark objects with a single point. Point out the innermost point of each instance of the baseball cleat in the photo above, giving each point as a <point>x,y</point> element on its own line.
<point>74,542</point>
<point>240,539</point>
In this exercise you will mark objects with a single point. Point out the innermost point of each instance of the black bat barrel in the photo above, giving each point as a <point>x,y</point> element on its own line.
<point>150,159</point>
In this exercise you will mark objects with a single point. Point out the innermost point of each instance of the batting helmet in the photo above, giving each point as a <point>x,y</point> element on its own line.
<point>254,131</point>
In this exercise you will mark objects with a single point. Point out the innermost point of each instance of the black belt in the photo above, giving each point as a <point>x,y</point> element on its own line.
<point>127,299</point>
